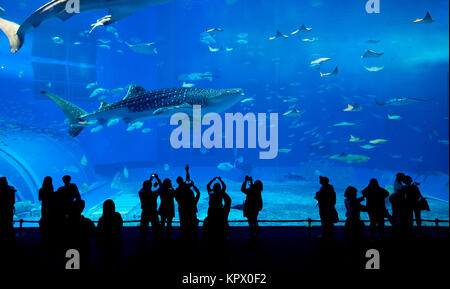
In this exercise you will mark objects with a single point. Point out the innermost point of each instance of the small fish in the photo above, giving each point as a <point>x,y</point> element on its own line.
<point>371,54</point>
<point>350,158</point>
<point>84,161</point>
<point>211,49</point>
<point>372,41</point>
<point>144,48</point>
<point>344,123</point>
<point>367,147</point>
<point>91,85</point>
<point>250,99</point>
<point>166,167</point>
<point>394,117</point>
<point>97,128</point>
<point>374,68</point>
<point>320,60</point>
<point>126,174</point>
<point>104,41</point>
<point>378,141</point>
<point>98,92</point>
<point>242,41</point>
<point>226,167</point>
<point>354,107</point>
<point>229,49</point>
<point>214,31</point>
<point>355,139</point>
<point>293,113</point>
<point>188,85</point>
<point>146,130</point>
<point>77,43</point>
<point>113,121</point>
<point>284,150</point>
<point>104,46</point>
<point>58,40</point>
<point>314,39</point>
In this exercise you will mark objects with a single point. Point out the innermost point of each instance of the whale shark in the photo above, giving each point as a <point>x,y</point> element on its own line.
<point>65,9</point>
<point>401,101</point>
<point>140,104</point>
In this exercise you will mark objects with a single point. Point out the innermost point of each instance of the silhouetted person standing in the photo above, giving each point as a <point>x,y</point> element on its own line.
<point>46,193</point>
<point>253,203</point>
<point>109,241</point>
<point>326,198</point>
<point>149,206</point>
<point>216,223</point>
<point>8,199</point>
<point>353,225</point>
<point>69,195</point>
<point>376,207</point>
<point>78,232</point>
<point>412,202</point>
<point>187,204</point>
<point>167,206</point>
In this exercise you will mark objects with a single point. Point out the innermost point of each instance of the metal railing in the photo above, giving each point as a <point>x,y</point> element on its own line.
<point>309,222</point>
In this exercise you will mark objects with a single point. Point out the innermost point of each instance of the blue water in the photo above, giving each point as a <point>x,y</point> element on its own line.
<point>275,74</point>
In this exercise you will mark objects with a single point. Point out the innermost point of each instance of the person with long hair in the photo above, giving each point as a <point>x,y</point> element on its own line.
<point>253,203</point>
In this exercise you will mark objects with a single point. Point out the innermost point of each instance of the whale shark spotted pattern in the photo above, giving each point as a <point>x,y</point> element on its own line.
<point>140,104</point>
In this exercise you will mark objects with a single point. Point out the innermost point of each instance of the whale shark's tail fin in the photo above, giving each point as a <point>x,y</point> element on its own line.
<point>72,112</point>
<point>10,29</point>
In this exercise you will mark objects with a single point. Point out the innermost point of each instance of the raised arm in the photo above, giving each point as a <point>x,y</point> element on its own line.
<point>224,187</point>
<point>208,186</point>
<point>244,185</point>
<point>197,193</point>
<point>188,177</point>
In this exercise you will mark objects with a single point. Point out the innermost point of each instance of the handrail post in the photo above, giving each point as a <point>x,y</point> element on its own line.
<point>20,227</point>
<point>436,222</point>
<point>309,227</point>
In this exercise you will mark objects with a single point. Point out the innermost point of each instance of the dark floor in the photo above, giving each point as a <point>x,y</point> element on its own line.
<point>284,254</point>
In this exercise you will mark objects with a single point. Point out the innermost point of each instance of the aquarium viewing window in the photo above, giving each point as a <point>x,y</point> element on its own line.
<point>297,95</point>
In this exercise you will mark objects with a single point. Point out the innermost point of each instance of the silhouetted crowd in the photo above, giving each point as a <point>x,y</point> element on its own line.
<point>63,226</point>
<point>406,200</point>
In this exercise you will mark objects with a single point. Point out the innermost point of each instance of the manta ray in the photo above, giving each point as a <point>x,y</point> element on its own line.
<point>401,101</point>
<point>140,104</point>
<point>65,9</point>
<point>427,19</point>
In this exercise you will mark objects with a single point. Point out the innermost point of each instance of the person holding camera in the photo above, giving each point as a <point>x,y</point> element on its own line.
<point>149,206</point>
<point>253,203</point>
<point>187,204</point>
